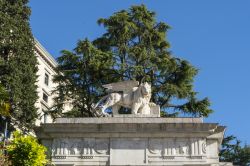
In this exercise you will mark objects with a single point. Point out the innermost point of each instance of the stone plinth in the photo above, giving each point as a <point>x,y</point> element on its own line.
<point>132,141</point>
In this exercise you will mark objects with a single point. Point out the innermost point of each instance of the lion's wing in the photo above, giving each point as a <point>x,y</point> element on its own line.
<point>124,86</point>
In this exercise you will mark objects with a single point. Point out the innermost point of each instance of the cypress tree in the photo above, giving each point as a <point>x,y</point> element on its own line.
<point>17,61</point>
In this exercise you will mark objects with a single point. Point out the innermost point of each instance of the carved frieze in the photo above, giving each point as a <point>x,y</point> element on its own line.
<point>155,146</point>
<point>101,146</point>
<point>85,146</point>
<point>177,146</point>
<point>158,149</point>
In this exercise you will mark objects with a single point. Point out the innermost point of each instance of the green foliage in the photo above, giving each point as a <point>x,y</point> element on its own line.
<point>4,102</point>
<point>26,151</point>
<point>134,47</point>
<point>17,61</point>
<point>232,151</point>
<point>80,75</point>
<point>4,160</point>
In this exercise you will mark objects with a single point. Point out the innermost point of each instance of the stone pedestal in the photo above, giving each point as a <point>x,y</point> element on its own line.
<point>132,141</point>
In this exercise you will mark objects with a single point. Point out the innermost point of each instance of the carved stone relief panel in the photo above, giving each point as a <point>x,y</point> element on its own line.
<point>198,146</point>
<point>182,147</point>
<point>177,146</point>
<point>59,147</point>
<point>169,147</point>
<point>155,146</point>
<point>85,146</point>
<point>74,147</point>
<point>204,147</point>
<point>88,146</point>
<point>102,146</point>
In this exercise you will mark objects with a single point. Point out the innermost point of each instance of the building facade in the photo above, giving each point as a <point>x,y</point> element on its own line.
<point>45,84</point>
<point>46,71</point>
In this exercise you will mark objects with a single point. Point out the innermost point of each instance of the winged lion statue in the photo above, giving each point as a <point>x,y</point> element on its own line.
<point>129,94</point>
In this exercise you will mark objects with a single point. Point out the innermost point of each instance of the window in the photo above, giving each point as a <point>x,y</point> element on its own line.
<point>45,97</point>
<point>45,117</point>
<point>46,79</point>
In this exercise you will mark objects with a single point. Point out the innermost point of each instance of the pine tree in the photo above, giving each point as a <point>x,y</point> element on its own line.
<point>80,75</point>
<point>139,44</point>
<point>232,151</point>
<point>17,61</point>
<point>140,51</point>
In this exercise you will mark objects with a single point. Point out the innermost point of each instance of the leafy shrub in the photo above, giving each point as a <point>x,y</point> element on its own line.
<point>26,151</point>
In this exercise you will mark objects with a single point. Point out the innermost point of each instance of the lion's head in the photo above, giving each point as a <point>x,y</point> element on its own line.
<point>146,88</point>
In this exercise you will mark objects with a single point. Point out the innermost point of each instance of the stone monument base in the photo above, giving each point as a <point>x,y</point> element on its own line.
<point>132,141</point>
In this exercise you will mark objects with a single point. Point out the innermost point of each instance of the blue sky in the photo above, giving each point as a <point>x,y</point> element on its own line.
<point>213,35</point>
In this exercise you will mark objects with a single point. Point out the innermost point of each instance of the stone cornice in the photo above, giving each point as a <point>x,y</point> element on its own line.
<point>45,54</point>
<point>128,119</point>
<point>130,127</point>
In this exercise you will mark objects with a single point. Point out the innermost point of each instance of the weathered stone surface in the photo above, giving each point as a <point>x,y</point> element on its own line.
<point>132,141</point>
<point>127,118</point>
